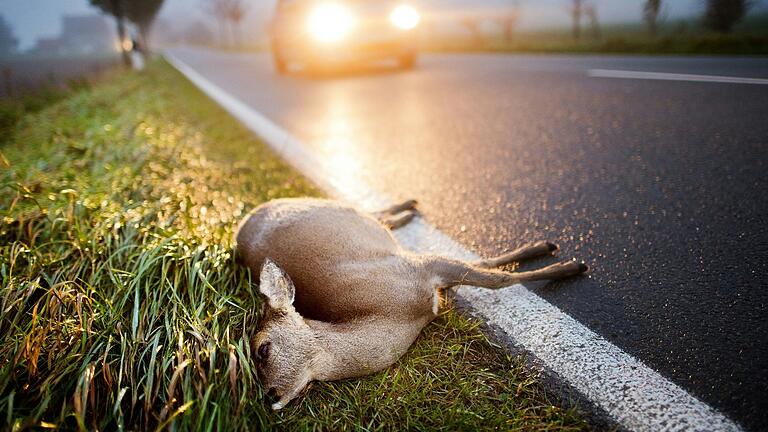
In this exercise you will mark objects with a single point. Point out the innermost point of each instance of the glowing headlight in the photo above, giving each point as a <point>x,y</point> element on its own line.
<point>404,17</point>
<point>330,22</point>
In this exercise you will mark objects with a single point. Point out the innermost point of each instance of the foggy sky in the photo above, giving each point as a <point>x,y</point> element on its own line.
<point>32,19</point>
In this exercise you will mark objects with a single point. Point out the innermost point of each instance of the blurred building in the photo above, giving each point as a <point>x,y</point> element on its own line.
<point>80,35</point>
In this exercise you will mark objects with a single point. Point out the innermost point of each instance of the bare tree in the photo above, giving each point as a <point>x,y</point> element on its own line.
<point>590,10</point>
<point>576,10</point>
<point>116,8</point>
<point>143,14</point>
<point>140,12</point>
<point>509,19</point>
<point>218,9</point>
<point>722,15</point>
<point>228,15</point>
<point>472,24</point>
<point>235,11</point>
<point>651,11</point>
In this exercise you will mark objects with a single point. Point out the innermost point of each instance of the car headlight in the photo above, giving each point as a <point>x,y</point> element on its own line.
<point>330,22</point>
<point>404,17</point>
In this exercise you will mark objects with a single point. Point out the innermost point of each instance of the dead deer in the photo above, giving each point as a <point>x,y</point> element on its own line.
<point>355,299</point>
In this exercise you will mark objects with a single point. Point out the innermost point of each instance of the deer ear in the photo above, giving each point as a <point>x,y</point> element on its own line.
<point>276,286</point>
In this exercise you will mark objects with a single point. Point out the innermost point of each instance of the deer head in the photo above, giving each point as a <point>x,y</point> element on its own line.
<point>285,345</point>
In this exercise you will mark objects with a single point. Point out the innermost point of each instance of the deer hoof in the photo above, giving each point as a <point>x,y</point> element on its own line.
<point>411,204</point>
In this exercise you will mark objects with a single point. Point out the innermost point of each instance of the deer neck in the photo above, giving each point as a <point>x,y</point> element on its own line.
<point>360,347</point>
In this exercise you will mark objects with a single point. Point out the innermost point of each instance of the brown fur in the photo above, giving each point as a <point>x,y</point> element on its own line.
<point>344,299</point>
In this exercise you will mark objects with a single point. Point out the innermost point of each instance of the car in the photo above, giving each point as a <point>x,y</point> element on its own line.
<point>325,33</point>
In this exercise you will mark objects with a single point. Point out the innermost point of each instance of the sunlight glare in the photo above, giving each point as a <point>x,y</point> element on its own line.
<point>330,22</point>
<point>404,17</point>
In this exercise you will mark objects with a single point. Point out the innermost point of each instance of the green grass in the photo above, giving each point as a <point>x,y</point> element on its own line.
<point>674,37</point>
<point>12,110</point>
<point>122,307</point>
<point>705,44</point>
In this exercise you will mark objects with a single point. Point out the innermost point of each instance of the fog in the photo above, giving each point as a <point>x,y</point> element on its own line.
<point>32,19</point>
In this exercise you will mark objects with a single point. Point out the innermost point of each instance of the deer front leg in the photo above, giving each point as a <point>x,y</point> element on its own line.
<point>453,273</point>
<point>523,253</point>
<point>395,209</point>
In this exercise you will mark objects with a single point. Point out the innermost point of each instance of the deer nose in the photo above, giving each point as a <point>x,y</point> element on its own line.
<point>272,395</point>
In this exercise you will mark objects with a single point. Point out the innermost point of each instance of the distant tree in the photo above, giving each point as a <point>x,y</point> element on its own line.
<point>590,10</point>
<point>235,12</point>
<point>722,15</point>
<point>219,9</point>
<point>8,42</point>
<point>651,11</point>
<point>143,14</point>
<point>229,15</point>
<point>472,24</point>
<point>116,8</point>
<point>509,19</point>
<point>576,10</point>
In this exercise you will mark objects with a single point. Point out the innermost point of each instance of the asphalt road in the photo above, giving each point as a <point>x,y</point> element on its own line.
<point>660,186</point>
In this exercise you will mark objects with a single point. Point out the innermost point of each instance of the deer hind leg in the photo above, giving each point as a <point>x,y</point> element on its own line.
<point>532,250</point>
<point>397,208</point>
<point>398,215</point>
<point>396,221</point>
<point>454,273</point>
<point>555,271</point>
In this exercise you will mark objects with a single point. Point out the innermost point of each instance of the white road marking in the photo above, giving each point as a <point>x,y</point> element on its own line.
<point>664,76</point>
<point>635,396</point>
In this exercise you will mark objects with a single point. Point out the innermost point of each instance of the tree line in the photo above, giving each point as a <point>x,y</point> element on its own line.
<point>719,15</point>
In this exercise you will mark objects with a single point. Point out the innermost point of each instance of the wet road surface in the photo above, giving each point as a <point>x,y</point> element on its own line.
<point>659,185</point>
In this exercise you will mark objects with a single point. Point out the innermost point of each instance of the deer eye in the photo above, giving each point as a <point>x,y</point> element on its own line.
<point>263,351</point>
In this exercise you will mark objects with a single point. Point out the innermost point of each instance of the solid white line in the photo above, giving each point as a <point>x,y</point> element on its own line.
<point>626,74</point>
<point>634,395</point>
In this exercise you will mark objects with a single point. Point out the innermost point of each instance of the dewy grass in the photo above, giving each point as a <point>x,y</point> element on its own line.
<point>122,306</point>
